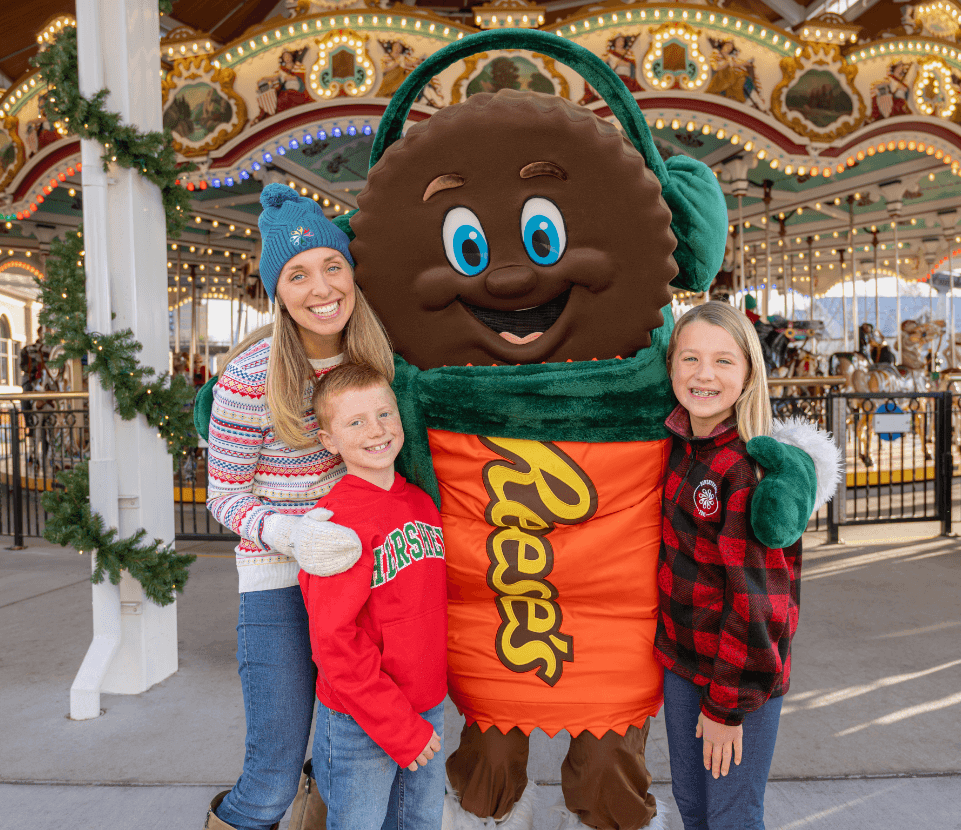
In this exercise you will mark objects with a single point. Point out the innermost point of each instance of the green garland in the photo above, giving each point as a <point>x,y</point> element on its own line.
<point>150,154</point>
<point>158,567</point>
<point>164,402</point>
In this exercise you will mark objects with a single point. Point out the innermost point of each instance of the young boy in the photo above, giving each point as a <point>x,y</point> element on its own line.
<point>378,631</point>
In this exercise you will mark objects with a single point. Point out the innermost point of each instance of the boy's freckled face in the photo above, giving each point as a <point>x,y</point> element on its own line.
<point>365,430</point>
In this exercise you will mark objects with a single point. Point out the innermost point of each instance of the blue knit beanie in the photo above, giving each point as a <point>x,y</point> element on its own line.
<point>289,225</point>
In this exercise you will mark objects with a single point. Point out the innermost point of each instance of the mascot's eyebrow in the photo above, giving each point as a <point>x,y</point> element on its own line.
<point>445,182</point>
<point>543,168</point>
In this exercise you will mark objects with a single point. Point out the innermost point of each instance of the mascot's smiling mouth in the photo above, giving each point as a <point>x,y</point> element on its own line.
<point>525,325</point>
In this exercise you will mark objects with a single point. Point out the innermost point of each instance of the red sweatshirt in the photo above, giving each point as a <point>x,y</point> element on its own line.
<point>378,631</point>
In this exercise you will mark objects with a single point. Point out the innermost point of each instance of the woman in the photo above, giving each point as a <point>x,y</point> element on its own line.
<point>267,469</point>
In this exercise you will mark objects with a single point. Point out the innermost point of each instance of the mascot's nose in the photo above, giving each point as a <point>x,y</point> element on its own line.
<point>510,281</point>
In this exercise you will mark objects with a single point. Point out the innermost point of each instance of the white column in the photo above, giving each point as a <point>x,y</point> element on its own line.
<point>854,275</point>
<point>767,250</point>
<point>135,641</point>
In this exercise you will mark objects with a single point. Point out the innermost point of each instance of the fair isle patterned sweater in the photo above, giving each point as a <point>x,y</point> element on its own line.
<point>252,473</point>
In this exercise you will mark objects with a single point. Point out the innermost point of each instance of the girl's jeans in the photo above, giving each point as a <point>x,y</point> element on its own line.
<point>731,802</point>
<point>278,679</point>
<point>364,789</point>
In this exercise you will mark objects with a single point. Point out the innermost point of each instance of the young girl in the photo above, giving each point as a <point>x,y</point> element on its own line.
<point>267,469</point>
<point>728,605</point>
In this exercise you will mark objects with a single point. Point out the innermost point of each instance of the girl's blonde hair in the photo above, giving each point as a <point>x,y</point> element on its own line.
<point>753,407</point>
<point>289,371</point>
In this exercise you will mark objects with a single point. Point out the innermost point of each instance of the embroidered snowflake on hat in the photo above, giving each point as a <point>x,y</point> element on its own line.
<point>299,234</point>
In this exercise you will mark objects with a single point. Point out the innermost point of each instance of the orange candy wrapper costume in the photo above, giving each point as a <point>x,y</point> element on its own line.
<point>541,601</point>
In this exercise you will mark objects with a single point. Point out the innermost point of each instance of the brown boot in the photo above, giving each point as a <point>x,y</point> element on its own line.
<point>214,823</point>
<point>308,812</point>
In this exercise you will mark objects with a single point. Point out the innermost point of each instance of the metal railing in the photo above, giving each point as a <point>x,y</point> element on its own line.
<point>899,458</point>
<point>42,434</point>
<point>889,477</point>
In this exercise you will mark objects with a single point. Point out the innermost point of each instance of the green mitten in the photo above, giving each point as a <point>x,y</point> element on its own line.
<point>784,499</point>
<point>203,403</point>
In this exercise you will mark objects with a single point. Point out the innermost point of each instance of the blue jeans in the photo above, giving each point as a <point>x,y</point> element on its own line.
<point>279,684</point>
<point>734,801</point>
<point>364,789</point>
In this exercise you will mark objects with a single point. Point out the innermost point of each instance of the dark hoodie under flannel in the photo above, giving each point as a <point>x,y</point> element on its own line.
<point>728,605</point>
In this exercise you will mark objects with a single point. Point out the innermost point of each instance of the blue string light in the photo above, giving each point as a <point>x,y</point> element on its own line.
<point>230,181</point>
<point>268,158</point>
<point>281,151</point>
<point>244,175</point>
<point>255,166</point>
<point>321,135</point>
<point>216,182</point>
<point>336,132</point>
<point>308,138</point>
<point>293,144</point>
<point>367,130</point>
<point>351,130</point>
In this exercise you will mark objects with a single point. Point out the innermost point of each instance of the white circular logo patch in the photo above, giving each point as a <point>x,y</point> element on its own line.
<point>705,499</point>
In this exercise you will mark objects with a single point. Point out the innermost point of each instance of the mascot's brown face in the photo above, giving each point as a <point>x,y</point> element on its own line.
<point>514,228</point>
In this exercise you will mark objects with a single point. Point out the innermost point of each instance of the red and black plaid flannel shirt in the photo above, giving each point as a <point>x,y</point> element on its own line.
<point>728,605</point>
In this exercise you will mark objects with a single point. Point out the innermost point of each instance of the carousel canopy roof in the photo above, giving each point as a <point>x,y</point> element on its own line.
<point>833,127</point>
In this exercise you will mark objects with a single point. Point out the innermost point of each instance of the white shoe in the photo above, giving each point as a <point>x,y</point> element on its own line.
<point>521,816</point>
<point>570,821</point>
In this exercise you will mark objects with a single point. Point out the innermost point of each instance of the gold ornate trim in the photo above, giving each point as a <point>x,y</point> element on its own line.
<point>935,74</point>
<point>824,57</point>
<point>199,67</point>
<point>470,64</point>
<point>564,88</point>
<point>459,87</point>
<point>659,37</point>
<point>326,46</point>
<point>11,125</point>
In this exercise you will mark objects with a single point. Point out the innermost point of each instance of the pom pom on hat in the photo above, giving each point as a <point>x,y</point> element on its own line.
<point>289,225</point>
<point>274,195</point>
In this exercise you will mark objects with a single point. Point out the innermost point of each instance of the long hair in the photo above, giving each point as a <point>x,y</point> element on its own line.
<point>753,408</point>
<point>290,375</point>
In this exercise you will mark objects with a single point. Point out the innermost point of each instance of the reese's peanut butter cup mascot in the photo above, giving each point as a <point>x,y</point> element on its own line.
<point>520,251</point>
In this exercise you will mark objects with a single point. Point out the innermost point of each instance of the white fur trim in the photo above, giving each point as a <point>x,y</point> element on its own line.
<point>569,821</point>
<point>521,816</point>
<point>457,818</point>
<point>820,446</point>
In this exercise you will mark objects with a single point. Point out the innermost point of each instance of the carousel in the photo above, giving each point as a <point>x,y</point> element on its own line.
<point>834,129</point>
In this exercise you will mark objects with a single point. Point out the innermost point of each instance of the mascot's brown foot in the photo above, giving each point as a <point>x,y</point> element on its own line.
<point>521,816</point>
<point>569,821</point>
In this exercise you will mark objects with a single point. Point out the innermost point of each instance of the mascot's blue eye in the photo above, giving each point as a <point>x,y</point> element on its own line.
<point>542,227</point>
<point>464,242</point>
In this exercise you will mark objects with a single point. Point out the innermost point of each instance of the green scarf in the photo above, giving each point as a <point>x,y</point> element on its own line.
<point>598,401</point>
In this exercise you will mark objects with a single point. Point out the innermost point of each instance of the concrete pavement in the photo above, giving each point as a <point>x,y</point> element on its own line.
<point>870,733</point>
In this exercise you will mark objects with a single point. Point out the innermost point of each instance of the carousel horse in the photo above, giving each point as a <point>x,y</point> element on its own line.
<point>54,438</point>
<point>873,345</point>
<point>862,374</point>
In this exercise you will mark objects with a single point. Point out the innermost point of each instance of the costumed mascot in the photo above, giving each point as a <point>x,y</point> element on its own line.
<point>520,251</point>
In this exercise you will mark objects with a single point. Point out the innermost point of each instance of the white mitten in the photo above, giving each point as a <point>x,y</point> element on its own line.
<point>320,547</point>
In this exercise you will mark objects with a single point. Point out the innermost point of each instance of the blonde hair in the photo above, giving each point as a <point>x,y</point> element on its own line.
<point>753,408</point>
<point>347,377</point>
<point>289,371</point>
